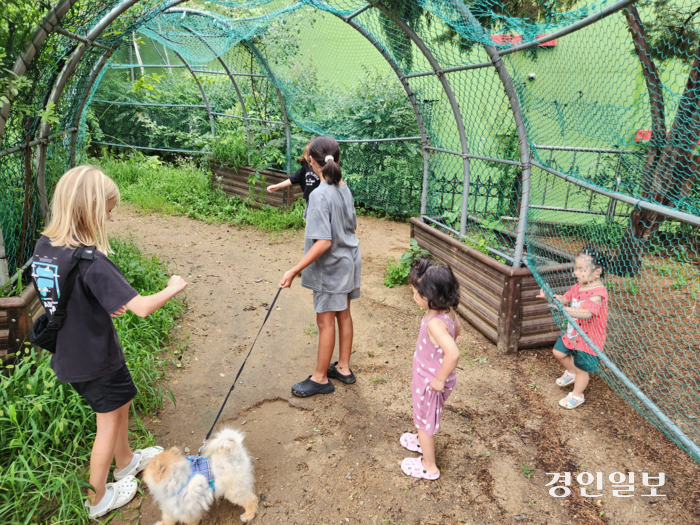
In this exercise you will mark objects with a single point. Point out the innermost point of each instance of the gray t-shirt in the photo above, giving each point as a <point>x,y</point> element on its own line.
<point>331,216</point>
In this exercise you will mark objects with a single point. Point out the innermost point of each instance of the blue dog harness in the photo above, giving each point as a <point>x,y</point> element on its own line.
<point>201,465</point>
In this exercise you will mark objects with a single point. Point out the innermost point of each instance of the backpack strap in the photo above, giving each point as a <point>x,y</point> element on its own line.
<point>83,252</point>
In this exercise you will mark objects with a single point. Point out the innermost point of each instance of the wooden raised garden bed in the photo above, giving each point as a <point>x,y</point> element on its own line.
<point>235,182</point>
<point>500,301</point>
<point>17,315</point>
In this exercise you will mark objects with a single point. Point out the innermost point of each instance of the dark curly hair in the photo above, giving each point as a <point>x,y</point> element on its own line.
<point>599,258</point>
<point>435,282</point>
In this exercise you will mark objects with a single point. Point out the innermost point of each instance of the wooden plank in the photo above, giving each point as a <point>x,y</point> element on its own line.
<point>467,272</point>
<point>510,316</point>
<point>538,340</point>
<point>487,330</point>
<point>457,254</point>
<point>472,302</point>
<point>493,263</point>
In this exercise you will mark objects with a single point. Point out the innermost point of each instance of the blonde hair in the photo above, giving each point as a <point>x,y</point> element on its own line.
<point>79,209</point>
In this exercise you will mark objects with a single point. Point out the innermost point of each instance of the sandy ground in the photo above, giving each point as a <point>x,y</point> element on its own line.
<point>336,458</point>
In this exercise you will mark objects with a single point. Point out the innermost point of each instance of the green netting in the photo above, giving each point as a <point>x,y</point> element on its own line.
<point>609,118</point>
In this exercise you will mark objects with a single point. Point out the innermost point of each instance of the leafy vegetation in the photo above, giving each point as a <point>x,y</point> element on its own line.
<point>186,189</point>
<point>396,272</point>
<point>47,429</point>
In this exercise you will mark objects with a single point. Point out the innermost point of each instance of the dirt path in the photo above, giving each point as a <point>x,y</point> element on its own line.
<point>336,458</point>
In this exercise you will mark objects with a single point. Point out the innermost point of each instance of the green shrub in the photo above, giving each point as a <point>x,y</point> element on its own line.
<point>187,189</point>
<point>396,272</point>
<point>47,429</point>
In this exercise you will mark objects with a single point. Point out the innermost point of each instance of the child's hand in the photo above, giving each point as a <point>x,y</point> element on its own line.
<point>437,385</point>
<point>540,295</point>
<point>272,187</point>
<point>287,279</point>
<point>177,282</point>
<point>119,312</point>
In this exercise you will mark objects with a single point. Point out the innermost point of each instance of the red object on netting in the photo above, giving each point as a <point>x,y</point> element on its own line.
<point>645,135</point>
<point>514,39</point>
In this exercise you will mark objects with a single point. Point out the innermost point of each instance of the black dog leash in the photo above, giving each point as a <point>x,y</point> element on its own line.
<point>240,370</point>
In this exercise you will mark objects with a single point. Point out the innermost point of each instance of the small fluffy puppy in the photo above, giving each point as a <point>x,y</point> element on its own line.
<point>184,495</point>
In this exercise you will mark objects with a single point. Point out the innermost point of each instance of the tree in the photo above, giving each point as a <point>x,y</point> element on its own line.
<point>672,165</point>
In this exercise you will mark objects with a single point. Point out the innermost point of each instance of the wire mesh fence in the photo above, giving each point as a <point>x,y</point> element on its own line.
<point>527,130</point>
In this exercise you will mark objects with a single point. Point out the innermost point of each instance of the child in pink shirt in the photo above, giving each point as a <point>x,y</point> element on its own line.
<point>587,301</point>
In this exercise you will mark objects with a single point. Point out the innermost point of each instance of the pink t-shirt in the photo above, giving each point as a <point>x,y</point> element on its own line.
<point>596,326</point>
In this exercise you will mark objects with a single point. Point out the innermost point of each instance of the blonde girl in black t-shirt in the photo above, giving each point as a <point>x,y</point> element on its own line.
<point>88,354</point>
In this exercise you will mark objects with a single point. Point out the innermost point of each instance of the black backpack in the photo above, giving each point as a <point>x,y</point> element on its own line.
<point>44,333</point>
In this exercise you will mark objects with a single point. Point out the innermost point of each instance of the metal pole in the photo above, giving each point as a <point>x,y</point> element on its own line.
<point>201,90</point>
<point>273,79</point>
<point>73,36</point>
<point>47,24</point>
<point>504,76</point>
<point>411,99</point>
<point>138,54</point>
<point>57,90</point>
<point>595,17</point>
<point>645,205</point>
<point>455,109</point>
<point>233,81</point>
<point>4,273</point>
<point>86,94</point>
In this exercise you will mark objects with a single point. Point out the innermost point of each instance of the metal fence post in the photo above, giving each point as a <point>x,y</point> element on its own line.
<point>447,87</point>
<point>273,79</point>
<point>57,91</point>
<point>201,90</point>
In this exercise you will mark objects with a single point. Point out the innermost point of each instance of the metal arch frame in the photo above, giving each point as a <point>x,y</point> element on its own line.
<point>447,88</point>
<point>230,76</point>
<point>409,93</point>
<point>201,90</point>
<point>272,78</point>
<point>86,94</point>
<point>57,90</point>
<point>521,130</point>
<point>46,27</point>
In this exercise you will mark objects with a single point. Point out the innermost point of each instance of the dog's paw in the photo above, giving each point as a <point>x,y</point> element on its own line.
<point>245,518</point>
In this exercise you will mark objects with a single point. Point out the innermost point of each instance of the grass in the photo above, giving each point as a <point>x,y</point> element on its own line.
<point>186,189</point>
<point>47,429</point>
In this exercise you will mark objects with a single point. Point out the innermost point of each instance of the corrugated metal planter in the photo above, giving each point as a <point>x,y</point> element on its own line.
<point>17,315</point>
<point>235,182</point>
<point>499,300</point>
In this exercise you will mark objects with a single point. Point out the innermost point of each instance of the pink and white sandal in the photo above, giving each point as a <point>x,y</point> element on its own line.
<point>571,401</point>
<point>410,442</point>
<point>414,467</point>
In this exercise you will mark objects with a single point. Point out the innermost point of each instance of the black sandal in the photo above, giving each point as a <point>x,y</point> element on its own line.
<point>334,374</point>
<point>309,387</point>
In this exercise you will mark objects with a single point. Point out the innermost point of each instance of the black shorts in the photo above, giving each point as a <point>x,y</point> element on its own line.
<point>108,393</point>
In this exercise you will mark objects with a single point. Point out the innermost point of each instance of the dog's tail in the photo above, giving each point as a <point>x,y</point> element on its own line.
<point>226,441</point>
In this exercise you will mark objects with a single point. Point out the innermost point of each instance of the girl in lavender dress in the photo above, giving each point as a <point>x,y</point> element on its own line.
<point>436,290</point>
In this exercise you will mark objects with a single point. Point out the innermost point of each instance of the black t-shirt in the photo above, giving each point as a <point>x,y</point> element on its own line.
<point>306,178</point>
<point>87,346</point>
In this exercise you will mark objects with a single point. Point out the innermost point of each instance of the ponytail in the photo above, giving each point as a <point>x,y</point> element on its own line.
<point>326,152</point>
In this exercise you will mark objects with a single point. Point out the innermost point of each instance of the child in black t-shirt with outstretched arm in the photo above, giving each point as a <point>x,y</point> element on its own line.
<point>88,354</point>
<point>304,177</point>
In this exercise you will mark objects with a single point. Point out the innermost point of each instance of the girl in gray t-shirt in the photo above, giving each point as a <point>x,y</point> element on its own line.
<point>330,267</point>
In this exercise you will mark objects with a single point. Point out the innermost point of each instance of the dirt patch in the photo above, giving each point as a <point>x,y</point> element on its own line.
<point>336,458</point>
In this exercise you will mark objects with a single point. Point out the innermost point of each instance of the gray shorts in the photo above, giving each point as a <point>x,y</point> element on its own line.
<point>328,302</point>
